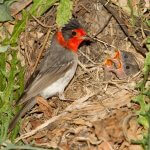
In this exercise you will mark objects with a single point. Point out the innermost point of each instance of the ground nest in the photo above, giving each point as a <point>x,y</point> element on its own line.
<point>98,113</point>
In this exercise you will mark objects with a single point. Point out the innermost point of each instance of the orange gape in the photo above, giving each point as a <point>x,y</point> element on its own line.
<point>74,42</point>
<point>117,56</point>
<point>123,64</point>
<point>110,62</point>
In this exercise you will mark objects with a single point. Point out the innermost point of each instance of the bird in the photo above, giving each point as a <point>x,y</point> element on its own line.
<point>123,65</point>
<point>55,70</point>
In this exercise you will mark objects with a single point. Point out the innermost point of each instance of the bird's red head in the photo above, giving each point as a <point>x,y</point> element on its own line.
<point>71,36</point>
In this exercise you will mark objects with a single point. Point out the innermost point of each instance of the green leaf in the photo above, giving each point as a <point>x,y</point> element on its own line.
<point>143,120</point>
<point>2,69</point>
<point>148,40</point>
<point>148,22</point>
<point>146,68</point>
<point>141,100</point>
<point>64,12</point>
<point>148,43</point>
<point>19,27</point>
<point>147,92</point>
<point>11,85</point>
<point>4,13</point>
<point>5,10</point>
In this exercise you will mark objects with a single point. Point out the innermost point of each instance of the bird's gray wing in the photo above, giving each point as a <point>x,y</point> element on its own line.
<point>25,108</point>
<point>28,99</point>
<point>50,70</point>
<point>44,81</point>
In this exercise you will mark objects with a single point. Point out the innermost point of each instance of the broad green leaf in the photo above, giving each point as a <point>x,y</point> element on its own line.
<point>5,10</point>
<point>148,40</point>
<point>146,68</point>
<point>1,97</point>
<point>147,92</point>
<point>64,12</point>
<point>148,22</point>
<point>144,107</point>
<point>143,120</point>
<point>148,43</point>
<point>148,46</point>
<point>4,13</point>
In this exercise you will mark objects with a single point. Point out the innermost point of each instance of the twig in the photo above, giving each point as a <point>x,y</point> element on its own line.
<point>38,21</point>
<point>42,49</point>
<point>83,67</point>
<point>123,27</point>
<point>104,43</point>
<point>19,6</point>
<point>88,140</point>
<point>87,57</point>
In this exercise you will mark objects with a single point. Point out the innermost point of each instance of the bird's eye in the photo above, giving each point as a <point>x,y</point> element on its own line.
<point>125,56</point>
<point>73,33</point>
<point>127,67</point>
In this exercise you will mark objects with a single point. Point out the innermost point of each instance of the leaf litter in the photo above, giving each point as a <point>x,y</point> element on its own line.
<point>97,115</point>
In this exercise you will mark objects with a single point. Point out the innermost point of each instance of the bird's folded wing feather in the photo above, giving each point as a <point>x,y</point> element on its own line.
<point>53,66</point>
<point>44,81</point>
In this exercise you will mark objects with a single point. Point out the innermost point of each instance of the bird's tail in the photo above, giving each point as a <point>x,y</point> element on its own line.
<point>25,108</point>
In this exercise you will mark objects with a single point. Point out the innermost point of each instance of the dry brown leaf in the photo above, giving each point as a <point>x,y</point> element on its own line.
<point>134,131</point>
<point>110,128</point>
<point>100,130</point>
<point>44,107</point>
<point>80,121</point>
<point>135,147</point>
<point>40,135</point>
<point>16,7</point>
<point>35,123</point>
<point>105,146</point>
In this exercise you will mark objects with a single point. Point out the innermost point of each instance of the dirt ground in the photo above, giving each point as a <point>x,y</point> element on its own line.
<point>99,114</point>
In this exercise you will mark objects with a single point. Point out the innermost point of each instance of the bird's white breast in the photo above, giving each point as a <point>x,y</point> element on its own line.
<point>59,85</point>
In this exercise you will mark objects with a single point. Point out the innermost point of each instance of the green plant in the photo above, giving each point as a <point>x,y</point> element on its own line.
<point>144,100</point>
<point>11,87</point>
<point>5,10</point>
